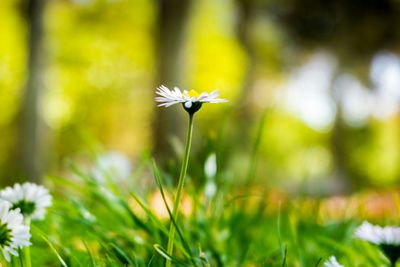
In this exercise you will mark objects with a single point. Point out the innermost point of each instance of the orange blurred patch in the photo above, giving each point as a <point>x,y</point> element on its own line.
<point>368,205</point>
<point>158,206</point>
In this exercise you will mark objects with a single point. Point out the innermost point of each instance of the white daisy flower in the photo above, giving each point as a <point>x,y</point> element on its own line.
<point>191,100</point>
<point>332,262</point>
<point>13,233</point>
<point>377,235</point>
<point>31,199</point>
<point>387,238</point>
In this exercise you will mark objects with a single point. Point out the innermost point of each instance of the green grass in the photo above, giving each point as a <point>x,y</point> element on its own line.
<point>92,224</point>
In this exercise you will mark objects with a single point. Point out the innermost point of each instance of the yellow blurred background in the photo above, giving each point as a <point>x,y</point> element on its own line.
<point>313,103</point>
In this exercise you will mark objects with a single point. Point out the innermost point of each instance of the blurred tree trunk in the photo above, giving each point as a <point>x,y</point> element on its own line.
<point>340,173</point>
<point>29,147</point>
<point>171,27</point>
<point>245,117</point>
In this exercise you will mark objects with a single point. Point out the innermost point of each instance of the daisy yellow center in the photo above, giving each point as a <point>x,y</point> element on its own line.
<point>193,93</point>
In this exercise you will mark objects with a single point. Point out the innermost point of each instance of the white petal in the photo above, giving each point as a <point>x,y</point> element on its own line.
<point>168,97</point>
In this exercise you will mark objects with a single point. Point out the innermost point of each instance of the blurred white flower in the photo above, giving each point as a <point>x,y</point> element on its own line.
<point>210,170</point>
<point>210,166</point>
<point>169,97</point>
<point>332,262</point>
<point>112,165</point>
<point>307,94</point>
<point>13,233</point>
<point>31,199</point>
<point>210,189</point>
<point>377,235</point>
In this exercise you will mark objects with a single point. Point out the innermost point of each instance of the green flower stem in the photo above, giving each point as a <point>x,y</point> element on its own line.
<point>26,250</point>
<point>178,196</point>
<point>27,256</point>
